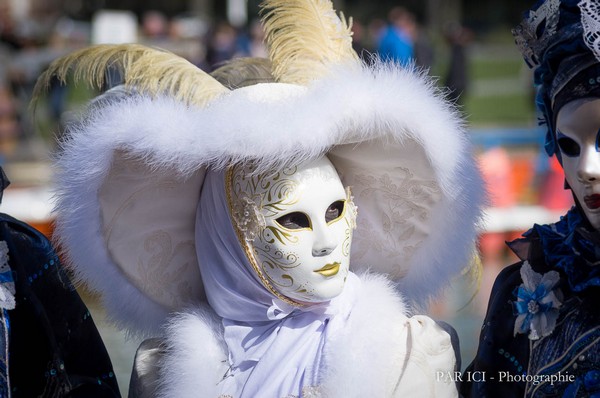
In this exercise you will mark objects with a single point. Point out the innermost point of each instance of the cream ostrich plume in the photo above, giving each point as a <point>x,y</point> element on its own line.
<point>304,37</point>
<point>149,70</point>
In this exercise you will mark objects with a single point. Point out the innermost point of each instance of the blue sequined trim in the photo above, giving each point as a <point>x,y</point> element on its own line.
<point>518,366</point>
<point>44,268</point>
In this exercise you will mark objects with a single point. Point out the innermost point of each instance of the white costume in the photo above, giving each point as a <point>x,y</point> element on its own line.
<point>145,169</point>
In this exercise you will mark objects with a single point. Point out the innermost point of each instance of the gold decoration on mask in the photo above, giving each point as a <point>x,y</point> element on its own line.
<point>234,184</point>
<point>351,207</point>
<point>270,233</point>
<point>276,259</point>
<point>351,212</point>
<point>304,37</point>
<point>147,70</point>
<point>271,194</point>
<point>279,191</point>
<point>247,216</point>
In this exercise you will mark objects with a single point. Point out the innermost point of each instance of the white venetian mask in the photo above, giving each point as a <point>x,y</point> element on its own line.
<point>578,136</point>
<point>297,227</point>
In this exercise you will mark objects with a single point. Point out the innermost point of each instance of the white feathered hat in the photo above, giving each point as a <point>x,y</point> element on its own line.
<point>130,173</point>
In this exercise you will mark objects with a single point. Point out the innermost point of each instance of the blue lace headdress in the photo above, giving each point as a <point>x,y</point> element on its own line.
<point>560,40</point>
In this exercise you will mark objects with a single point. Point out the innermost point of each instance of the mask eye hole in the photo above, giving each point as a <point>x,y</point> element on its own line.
<point>568,146</point>
<point>294,220</point>
<point>335,211</point>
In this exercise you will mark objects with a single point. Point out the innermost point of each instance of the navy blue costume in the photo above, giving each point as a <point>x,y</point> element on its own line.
<point>541,333</point>
<point>53,346</point>
<point>516,366</point>
<point>49,344</point>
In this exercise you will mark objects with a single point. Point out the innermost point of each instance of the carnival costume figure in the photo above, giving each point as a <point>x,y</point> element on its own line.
<point>275,238</point>
<point>541,334</point>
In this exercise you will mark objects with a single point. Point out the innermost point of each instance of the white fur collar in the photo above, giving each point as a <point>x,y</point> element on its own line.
<point>358,362</point>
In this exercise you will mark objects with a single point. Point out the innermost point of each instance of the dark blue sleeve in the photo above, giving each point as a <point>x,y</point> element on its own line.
<point>54,347</point>
<point>500,355</point>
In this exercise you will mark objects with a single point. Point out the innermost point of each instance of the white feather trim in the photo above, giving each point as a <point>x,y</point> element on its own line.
<point>196,357</point>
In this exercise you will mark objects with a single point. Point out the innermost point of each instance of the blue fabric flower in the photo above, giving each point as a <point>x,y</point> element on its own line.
<point>538,301</point>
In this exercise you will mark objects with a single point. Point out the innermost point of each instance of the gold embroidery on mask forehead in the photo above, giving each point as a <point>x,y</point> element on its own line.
<point>280,191</point>
<point>235,185</point>
<point>271,195</point>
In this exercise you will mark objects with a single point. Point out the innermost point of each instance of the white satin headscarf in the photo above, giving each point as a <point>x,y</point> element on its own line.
<point>275,350</point>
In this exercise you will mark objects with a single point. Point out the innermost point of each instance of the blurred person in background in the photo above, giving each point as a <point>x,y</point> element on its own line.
<point>256,40</point>
<point>360,41</point>
<point>541,333</point>
<point>28,45</point>
<point>457,77</point>
<point>423,49</point>
<point>222,44</point>
<point>9,126</point>
<point>375,30</point>
<point>49,344</point>
<point>155,26</point>
<point>397,40</point>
